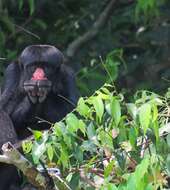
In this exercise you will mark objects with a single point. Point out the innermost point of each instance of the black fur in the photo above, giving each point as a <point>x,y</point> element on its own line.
<point>18,111</point>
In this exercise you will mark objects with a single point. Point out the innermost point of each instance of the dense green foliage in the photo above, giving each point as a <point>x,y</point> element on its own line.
<point>107,142</point>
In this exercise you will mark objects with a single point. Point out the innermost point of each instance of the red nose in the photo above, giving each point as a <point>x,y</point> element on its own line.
<point>39,74</point>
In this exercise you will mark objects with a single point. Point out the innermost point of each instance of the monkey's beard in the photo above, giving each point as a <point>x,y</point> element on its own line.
<point>37,90</point>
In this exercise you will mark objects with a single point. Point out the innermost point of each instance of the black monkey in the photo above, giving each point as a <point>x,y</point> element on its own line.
<point>38,84</point>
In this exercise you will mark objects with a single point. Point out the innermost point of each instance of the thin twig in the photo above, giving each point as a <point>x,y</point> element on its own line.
<point>41,120</point>
<point>64,98</point>
<point>27,31</point>
<point>19,29</point>
<point>87,180</point>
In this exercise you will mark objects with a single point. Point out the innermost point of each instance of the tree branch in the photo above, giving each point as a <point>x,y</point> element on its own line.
<point>13,156</point>
<point>42,182</point>
<point>99,23</point>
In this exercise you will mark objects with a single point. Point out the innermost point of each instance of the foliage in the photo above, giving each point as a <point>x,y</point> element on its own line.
<point>107,143</point>
<point>149,8</point>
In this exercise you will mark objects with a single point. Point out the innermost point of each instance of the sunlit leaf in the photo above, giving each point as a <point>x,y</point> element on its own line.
<point>82,126</point>
<point>37,151</point>
<point>115,110</point>
<point>82,108</point>
<point>145,116</point>
<point>155,112</point>
<point>58,128</point>
<point>141,169</point>
<point>132,137</point>
<point>91,132</point>
<point>156,130</point>
<point>72,122</point>
<point>27,146</point>
<point>37,134</point>
<point>109,168</point>
<point>50,152</point>
<point>106,139</point>
<point>64,157</point>
<point>69,177</point>
<point>98,106</point>
<point>132,109</point>
<point>168,163</point>
<point>168,139</point>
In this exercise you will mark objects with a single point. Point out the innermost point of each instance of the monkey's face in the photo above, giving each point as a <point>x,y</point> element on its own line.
<point>38,86</point>
<point>39,64</point>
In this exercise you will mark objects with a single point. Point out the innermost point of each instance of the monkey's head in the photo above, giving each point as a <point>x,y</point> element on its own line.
<point>40,64</point>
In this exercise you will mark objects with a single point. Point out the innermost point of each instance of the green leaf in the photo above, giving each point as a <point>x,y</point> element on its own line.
<point>37,151</point>
<point>78,154</point>
<point>8,23</point>
<point>132,110</point>
<point>168,163</point>
<point>149,187</point>
<point>69,177</point>
<point>27,146</point>
<point>50,152</point>
<point>58,128</point>
<point>111,67</point>
<point>106,139</point>
<point>75,180</point>
<point>141,170</point>
<point>67,139</point>
<point>91,132</point>
<point>45,136</point>
<point>82,108</point>
<point>21,2</point>
<point>98,106</point>
<point>131,183</point>
<point>145,116</point>
<point>168,139</point>
<point>88,145</point>
<point>41,24</point>
<point>111,187</point>
<point>156,130</point>
<point>108,170</point>
<point>105,90</point>
<point>64,157</point>
<point>155,112</point>
<point>72,122</point>
<point>121,159</point>
<point>115,110</point>
<point>37,134</point>
<point>132,136</point>
<point>31,6</point>
<point>82,127</point>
